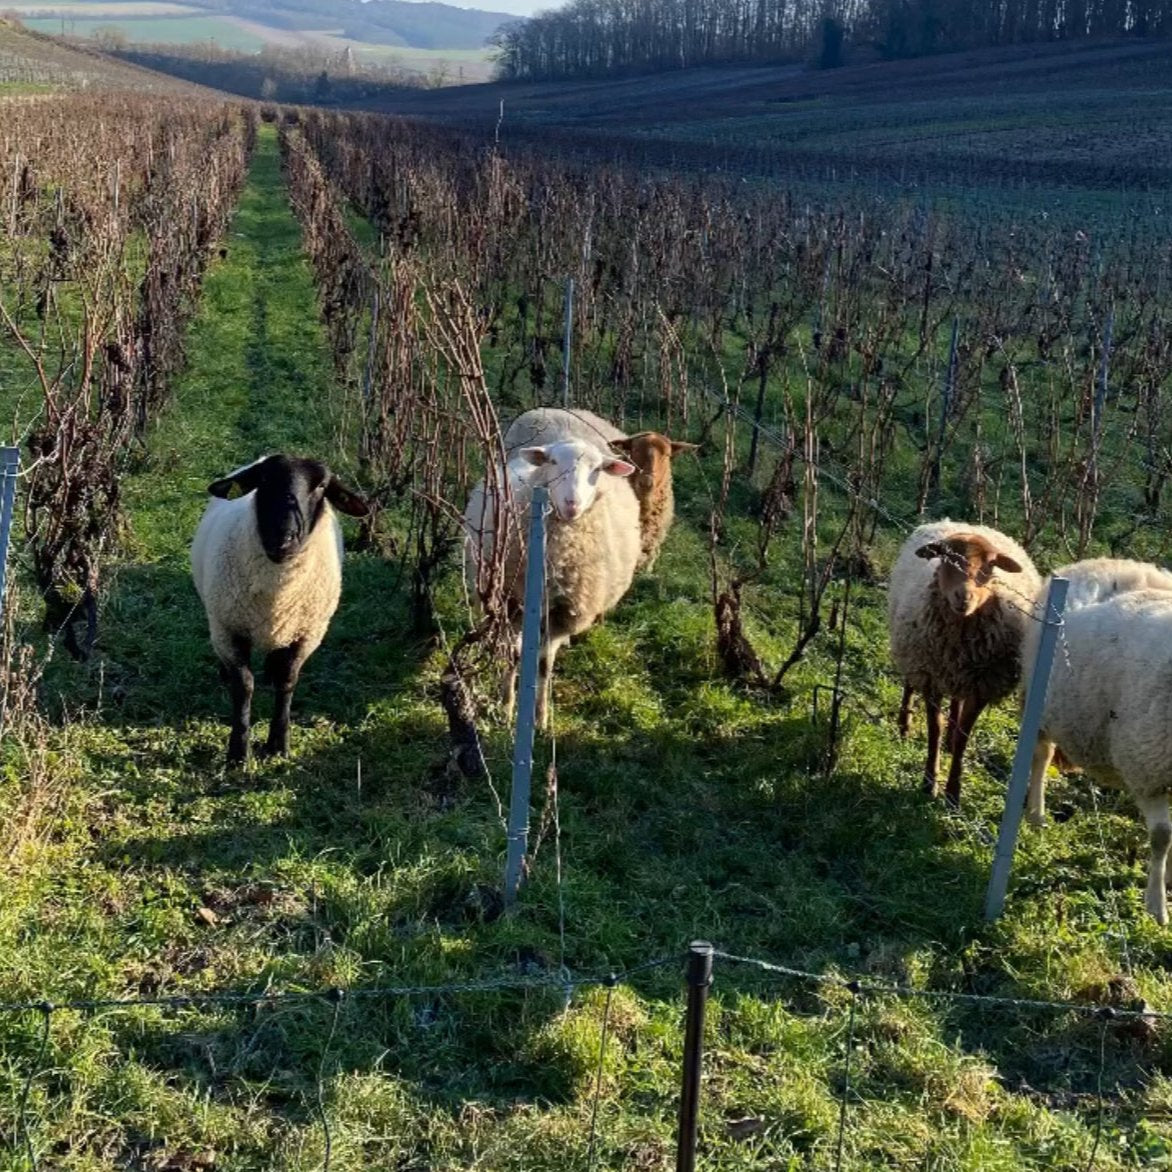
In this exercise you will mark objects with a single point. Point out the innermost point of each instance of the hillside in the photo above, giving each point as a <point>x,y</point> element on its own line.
<point>29,60</point>
<point>1087,114</point>
<point>374,29</point>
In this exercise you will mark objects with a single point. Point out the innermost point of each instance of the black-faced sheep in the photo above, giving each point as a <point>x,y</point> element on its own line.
<point>268,568</point>
<point>959,603</point>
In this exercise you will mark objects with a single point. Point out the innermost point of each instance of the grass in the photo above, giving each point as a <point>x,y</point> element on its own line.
<point>688,808</point>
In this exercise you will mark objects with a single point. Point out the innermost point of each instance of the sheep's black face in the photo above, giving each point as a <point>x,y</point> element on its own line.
<point>289,500</point>
<point>290,496</point>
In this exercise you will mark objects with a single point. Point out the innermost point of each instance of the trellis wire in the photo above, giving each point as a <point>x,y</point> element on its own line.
<point>859,985</point>
<point>335,996</point>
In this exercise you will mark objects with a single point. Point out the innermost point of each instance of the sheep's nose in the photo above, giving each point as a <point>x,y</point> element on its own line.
<point>570,510</point>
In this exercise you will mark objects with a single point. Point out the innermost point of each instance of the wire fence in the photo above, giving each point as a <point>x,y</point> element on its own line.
<point>724,972</point>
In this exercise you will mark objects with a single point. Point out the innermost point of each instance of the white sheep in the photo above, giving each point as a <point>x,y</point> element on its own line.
<point>592,539</point>
<point>1108,706</point>
<point>268,568</point>
<point>650,452</point>
<point>959,602</point>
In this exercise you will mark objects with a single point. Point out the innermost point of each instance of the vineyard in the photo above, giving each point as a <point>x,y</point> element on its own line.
<point>185,285</point>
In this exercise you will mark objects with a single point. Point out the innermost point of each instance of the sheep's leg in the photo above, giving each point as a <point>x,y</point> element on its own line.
<point>283,668</point>
<point>1036,802</point>
<point>509,685</point>
<point>905,712</point>
<point>1155,812</point>
<point>549,652</point>
<point>970,710</point>
<point>237,675</point>
<point>932,768</point>
<point>955,711</point>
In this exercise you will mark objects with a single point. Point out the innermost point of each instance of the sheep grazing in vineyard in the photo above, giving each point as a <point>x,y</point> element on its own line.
<point>1108,704</point>
<point>1090,581</point>
<point>959,604</point>
<point>593,540</point>
<point>268,568</point>
<point>650,452</point>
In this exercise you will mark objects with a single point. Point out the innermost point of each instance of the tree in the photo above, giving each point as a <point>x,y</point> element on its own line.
<point>830,56</point>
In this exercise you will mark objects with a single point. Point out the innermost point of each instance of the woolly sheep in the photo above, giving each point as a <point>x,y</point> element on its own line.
<point>958,607</point>
<point>268,568</point>
<point>649,451</point>
<point>1107,705</point>
<point>1107,708</point>
<point>592,539</point>
<point>1091,580</point>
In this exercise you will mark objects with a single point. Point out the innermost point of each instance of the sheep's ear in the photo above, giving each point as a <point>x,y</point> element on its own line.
<point>535,456</point>
<point>243,479</point>
<point>222,488</point>
<point>618,467</point>
<point>678,447</point>
<point>933,549</point>
<point>344,500</point>
<point>1004,562</point>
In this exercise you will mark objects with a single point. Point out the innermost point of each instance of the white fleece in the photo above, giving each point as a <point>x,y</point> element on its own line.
<point>1109,703</point>
<point>547,425</point>
<point>245,594</point>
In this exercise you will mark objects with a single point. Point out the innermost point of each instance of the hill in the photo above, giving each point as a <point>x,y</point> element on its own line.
<point>1087,114</point>
<point>372,27</point>
<point>30,60</point>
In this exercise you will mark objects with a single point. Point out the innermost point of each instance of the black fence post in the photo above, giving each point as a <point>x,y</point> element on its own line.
<point>699,980</point>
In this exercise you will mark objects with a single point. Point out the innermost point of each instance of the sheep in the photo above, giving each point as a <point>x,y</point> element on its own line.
<point>1107,703</point>
<point>593,540</point>
<point>268,568</point>
<point>1092,581</point>
<point>956,629</point>
<point>652,454</point>
<point>649,451</point>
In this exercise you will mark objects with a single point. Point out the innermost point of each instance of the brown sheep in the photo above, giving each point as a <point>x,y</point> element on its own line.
<point>652,454</point>
<point>959,601</point>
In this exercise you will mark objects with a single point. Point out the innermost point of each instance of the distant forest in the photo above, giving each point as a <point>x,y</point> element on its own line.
<point>595,38</point>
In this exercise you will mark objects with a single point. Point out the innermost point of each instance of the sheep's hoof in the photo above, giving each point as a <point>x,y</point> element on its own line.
<point>930,787</point>
<point>1159,913</point>
<point>1036,820</point>
<point>267,752</point>
<point>952,799</point>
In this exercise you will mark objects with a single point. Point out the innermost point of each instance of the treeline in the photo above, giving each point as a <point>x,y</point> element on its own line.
<point>595,38</point>
<point>293,76</point>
